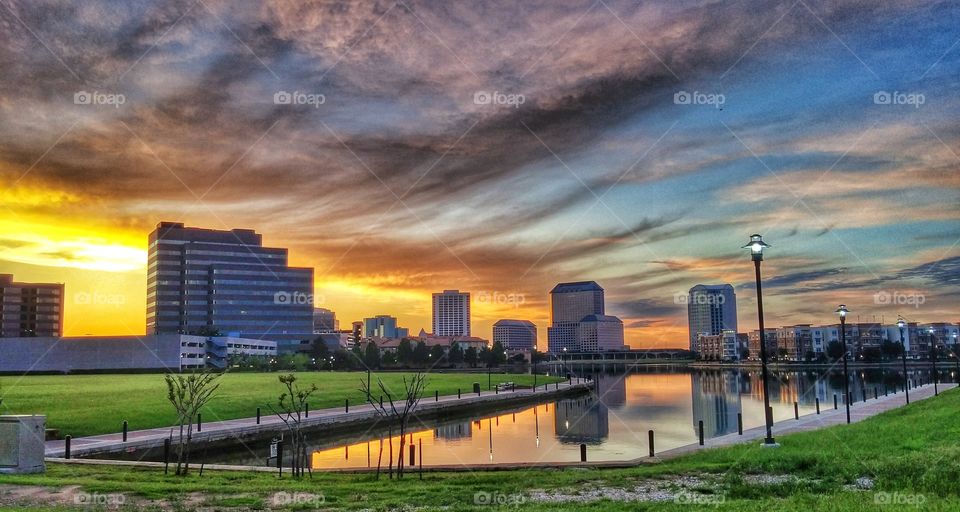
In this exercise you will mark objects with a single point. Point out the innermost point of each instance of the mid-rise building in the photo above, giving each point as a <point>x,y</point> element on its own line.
<point>30,309</point>
<point>451,313</point>
<point>204,280</point>
<point>383,326</point>
<point>325,321</point>
<point>719,347</point>
<point>578,322</point>
<point>770,335</point>
<point>515,334</point>
<point>711,309</point>
<point>795,342</point>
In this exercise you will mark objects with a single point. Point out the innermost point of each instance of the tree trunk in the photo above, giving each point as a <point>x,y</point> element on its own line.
<point>379,458</point>
<point>180,450</point>
<point>186,461</point>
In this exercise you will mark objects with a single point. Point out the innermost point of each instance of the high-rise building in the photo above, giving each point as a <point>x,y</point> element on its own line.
<point>325,321</point>
<point>515,334</point>
<point>578,322</point>
<point>384,326</point>
<point>451,313</point>
<point>30,309</point>
<point>711,309</point>
<point>201,280</point>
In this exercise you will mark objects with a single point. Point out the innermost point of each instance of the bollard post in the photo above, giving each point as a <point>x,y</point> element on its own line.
<point>436,396</point>
<point>66,447</point>
<point>834,401</point>
<point>796,411</point>
<point>346,405</point>
<point>740,423</point>
<point>381,401</point>
<point>864,393</point>
<point>199,422</point>
<point>258,415</point>
<point>413,455</point>
<point>850,397</point>
<point>875,393</point>
<point>817,400</point>
<point>583,452</point>
<point>650,441</point>
<point>497,390</point>
<point>458,393</point>
<point>166,455</point>
<point>280,458</point>
<point>124,431</point>
<point>306,409</point>
<point>700,428</point>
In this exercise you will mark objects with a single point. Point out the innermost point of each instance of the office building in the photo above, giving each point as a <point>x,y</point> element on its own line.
<point>451,313</point>
<point>325,321</point>
<point>711,309</point>
<point>578,322</point>
<point>515,334</point>
<point>201,281</point>
<point>383,326</point>
<point>30,309</point>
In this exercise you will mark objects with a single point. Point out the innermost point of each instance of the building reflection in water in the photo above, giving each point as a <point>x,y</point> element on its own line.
<point>716,401</point>
<point>587,419</point>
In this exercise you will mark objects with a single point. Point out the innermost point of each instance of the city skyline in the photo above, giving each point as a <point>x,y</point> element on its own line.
<point>506,151</point>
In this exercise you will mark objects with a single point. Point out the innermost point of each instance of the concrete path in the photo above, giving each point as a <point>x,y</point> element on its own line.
<point>828,417</point>
<point>246,428</point>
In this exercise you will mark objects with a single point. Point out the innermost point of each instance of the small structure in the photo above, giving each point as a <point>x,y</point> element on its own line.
<point>21,443</point>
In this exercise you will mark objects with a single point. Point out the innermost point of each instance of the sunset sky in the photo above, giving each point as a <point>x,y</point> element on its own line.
<point>587,164</point>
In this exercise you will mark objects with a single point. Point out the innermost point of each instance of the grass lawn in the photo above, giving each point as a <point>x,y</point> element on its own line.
<point>82,405</point>
<point>908,457</point>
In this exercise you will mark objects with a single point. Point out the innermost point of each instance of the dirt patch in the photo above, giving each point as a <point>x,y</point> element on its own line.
<point>679,488</point>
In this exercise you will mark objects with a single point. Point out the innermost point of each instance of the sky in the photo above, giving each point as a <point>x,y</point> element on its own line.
<point>402,148</point>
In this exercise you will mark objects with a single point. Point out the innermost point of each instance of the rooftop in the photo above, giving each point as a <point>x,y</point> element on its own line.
<point>579,286</point>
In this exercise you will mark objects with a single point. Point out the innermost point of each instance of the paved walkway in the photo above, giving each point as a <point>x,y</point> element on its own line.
<point>246,428</point>
<point>828,417</point>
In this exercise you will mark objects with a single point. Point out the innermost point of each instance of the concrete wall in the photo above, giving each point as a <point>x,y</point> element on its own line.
<point>156,352</point>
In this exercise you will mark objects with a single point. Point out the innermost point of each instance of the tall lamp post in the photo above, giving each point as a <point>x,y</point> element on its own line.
<point>756,246</point>
<point>842,311</point>
<point>956,357</point>
<point>933,358</point>
<point>903,355</point>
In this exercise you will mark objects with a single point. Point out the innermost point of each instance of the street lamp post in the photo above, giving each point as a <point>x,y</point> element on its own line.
<point>756,246</point>
<point>842,311</point>
<point>903,356</point>
<point>956,357</point>
<point>933,358</point>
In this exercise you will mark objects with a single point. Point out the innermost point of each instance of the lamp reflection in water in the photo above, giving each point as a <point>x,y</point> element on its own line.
<point>490,429</point>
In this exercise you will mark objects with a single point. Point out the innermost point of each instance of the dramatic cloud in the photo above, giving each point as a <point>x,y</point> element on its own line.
<point>405,147</point>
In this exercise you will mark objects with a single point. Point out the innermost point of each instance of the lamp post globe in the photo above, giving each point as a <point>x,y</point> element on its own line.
<point>756,246</point>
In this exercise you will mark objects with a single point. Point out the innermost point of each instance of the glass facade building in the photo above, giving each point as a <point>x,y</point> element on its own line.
<point>199,280</point>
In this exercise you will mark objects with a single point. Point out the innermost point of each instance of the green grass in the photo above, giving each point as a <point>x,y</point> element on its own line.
<point>912,452</point>
<point>82,405</point>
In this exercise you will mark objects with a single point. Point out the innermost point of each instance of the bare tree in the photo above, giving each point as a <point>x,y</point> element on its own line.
<point>394,414</point>
<point>292,410</point>
<point>188,394</point>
